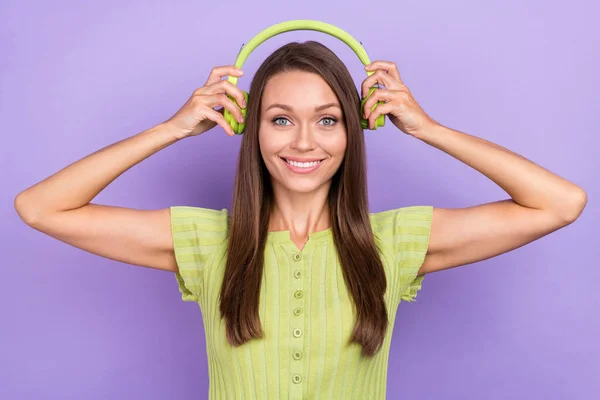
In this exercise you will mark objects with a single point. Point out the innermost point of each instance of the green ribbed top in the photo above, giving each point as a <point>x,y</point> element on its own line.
<point>306,310</point>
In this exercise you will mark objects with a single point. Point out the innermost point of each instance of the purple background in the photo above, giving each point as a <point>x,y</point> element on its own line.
<point>78,76</point>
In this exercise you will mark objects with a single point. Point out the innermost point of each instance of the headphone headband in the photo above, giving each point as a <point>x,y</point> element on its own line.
<point>297,25</point>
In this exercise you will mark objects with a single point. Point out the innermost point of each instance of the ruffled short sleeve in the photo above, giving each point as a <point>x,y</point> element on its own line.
<point>404,233</point>
<point>198,233</point>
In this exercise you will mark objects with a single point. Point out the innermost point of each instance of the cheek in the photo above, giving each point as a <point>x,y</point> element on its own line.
<point>342,145</point>
<point>336,146</point>
<point>268,151</point>
<point>265,145</point>
<point>270,142</point>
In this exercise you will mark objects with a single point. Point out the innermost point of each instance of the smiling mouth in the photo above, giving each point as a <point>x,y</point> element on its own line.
<point>306,165</point>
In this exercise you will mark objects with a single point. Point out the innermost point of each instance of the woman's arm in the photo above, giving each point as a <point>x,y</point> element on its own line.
<point>60,205</point>
<point>542,202</point>
<point>529,184</point>
<point>77,184</point>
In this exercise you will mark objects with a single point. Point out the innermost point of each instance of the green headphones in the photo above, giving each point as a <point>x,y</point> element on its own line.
<point>295,25</point>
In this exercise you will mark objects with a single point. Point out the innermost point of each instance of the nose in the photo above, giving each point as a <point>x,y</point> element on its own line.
<point>304,138</point>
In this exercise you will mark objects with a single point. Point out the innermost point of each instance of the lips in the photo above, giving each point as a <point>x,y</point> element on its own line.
<point>298,159</point>
<point>301,170</point>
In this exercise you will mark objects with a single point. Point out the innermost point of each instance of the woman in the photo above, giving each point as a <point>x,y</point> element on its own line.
<point>299,286</point>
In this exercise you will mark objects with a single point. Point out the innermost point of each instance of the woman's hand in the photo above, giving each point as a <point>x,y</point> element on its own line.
<point>402,109</point>
<point>197,114</point>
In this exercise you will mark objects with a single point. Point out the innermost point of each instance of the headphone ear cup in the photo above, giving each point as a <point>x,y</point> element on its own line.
<point>379,121</point>
<point>237,127</point>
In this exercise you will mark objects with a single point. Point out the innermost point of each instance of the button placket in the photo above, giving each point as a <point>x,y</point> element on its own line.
<point>297,323</point>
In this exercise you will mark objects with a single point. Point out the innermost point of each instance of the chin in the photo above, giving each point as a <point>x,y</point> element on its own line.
<point>300,187</point>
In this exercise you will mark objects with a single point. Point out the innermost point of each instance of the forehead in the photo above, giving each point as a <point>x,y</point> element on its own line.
<point>299,89</point>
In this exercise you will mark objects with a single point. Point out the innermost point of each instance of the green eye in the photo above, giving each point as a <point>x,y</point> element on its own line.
<point>331,119</point>
<point>278,118</point>
<point>274,120</point>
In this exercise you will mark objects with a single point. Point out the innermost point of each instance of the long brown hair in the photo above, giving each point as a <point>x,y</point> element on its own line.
<point>347,201</point>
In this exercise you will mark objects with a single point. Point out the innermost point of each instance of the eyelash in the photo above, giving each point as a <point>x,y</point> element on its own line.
<point>335,120</point>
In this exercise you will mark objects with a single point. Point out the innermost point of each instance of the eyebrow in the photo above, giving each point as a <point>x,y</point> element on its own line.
<point>289,108</point>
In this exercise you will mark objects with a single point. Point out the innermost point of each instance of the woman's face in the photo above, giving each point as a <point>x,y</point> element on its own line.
<point>301,122</point>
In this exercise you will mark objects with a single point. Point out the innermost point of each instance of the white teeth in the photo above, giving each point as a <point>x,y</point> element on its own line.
<point>303,164</point>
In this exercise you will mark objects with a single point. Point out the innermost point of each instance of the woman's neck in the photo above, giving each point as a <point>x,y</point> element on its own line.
<point>300,214</point>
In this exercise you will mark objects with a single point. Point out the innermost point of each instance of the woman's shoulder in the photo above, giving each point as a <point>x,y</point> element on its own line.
<point>416,215</point>
<point>191,210</point>
<point>199,234</point>
<point>199,219</point>
<point>403,235</point>
<point>402,224</point>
